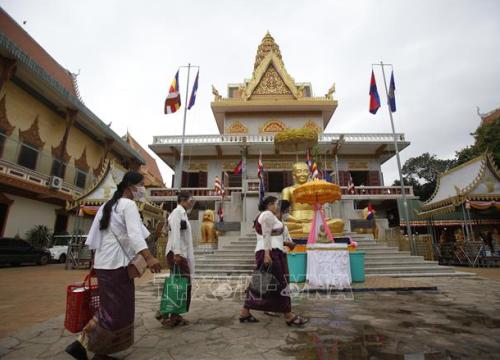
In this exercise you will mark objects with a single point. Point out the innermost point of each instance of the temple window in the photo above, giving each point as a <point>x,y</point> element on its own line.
<point>58,168</point>
<point>28,156</point>
<point>196,179</point>
<point>80,178</point>
<point>234,180</point>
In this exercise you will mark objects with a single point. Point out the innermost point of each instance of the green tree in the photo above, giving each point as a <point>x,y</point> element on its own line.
<point>487,137</point>
<point>422,172</point>
<point>39,236</point>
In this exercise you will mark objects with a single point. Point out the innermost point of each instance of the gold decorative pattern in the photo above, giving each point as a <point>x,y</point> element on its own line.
<point>198,167</point>
<point>266,46</point>
<point>31,136</point>
<point>271,84</point>
<point>81,163</point>
<point>357,165</point>
<point>312,125</point>
<point>237,128</point>
<point>5,126</point>
<point>273,126</point>
<point>229,165</point>
<point>99,169</point>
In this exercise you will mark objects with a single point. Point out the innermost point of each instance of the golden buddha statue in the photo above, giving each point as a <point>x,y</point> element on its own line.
<point>300,218</point>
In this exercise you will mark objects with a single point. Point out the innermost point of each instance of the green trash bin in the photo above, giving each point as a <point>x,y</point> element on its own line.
<point>297,266</point>
<point>357,260</point>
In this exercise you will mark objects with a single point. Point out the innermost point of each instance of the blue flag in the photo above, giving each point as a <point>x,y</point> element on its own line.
<point>192,99</point>
<point>392,96</point>
<point>262,189</point>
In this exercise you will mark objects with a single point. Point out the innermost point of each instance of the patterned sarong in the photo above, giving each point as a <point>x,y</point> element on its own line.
<point>112,329</point>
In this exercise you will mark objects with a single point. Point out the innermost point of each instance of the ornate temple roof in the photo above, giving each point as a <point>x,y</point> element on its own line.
<point>478,179</point>
<point>151,172</point>
<point>271,88</point>
<point>39,71</point>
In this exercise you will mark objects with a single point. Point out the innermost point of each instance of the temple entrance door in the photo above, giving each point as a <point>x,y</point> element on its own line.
<point>278,180</point>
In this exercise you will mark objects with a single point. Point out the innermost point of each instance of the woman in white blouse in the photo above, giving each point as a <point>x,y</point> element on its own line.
<point>269,251</point>
<point>117,235</point>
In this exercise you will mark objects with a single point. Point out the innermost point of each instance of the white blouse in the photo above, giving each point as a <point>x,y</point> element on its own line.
<point>125,225</point>
<point>269,223</point>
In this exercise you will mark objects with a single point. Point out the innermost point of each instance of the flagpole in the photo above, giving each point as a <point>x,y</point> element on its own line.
<point>402,184</point>
<point>181,162</point>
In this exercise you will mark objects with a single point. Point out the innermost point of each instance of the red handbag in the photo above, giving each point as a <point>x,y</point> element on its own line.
<point>82,302</point>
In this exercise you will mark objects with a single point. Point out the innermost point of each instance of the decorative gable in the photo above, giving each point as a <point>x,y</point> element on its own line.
<point>271,83</point>
<point>236,128</point>
<point>312,125</point>
<point>81,163</point>
<point>31,136</point>
<point>5,126</point>
<point>273,126</point>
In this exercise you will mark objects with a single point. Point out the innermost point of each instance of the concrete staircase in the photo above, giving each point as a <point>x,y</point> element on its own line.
<point>237,259</point>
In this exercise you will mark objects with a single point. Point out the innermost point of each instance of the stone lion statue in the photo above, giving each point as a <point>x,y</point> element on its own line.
<point>208,231</point>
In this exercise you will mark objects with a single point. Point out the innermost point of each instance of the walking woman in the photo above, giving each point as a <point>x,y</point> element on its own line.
<point>270,252</point>
<point>180,252</point>
<point>117,235</point>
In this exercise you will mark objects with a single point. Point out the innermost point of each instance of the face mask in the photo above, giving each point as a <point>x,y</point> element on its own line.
<point>285,217</point>
<point>139,193</point>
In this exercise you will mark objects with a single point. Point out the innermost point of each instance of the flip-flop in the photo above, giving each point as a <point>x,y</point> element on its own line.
<point>272,314</point>
<point>250,319</point>
<point>297,320</point>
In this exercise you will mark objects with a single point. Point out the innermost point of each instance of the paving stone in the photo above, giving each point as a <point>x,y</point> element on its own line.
<point>148,341</point>
<point>8,342</point>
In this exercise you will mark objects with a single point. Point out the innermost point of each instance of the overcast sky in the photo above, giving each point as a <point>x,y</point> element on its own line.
<point>445,55</point>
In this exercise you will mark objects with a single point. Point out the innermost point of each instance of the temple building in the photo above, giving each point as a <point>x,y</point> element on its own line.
<point>248,119</point>
<point>52,147</point>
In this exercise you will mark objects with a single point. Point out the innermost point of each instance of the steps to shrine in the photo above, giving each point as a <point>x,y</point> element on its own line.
<point>236,259</point>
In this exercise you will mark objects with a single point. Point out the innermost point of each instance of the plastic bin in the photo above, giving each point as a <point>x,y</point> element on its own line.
<point>357,261</point>
<point>297,266</point>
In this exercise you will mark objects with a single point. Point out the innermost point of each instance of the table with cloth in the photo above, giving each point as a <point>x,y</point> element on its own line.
<point>328,265</point>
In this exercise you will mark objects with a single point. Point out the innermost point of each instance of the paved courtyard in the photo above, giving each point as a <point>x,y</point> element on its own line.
<point>459,320</point>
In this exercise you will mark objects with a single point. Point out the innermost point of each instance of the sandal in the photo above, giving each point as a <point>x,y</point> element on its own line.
<point>250,319</point>
<point>297,320</point>
<point>170,323</point>
<point>273,314</point>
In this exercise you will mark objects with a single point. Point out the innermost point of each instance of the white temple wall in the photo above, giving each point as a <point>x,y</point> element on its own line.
<point>255,122</point>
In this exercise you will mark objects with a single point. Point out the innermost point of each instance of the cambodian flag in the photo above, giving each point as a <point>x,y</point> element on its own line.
<point>371,213</point>
<point>374,98</point>
<point>239,168</point>
<point>392,96</point>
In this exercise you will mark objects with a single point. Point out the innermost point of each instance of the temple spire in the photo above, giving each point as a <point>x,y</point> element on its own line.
<point>267,45</point>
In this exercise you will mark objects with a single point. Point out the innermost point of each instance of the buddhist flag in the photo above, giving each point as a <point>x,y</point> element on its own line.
<point>192,99</point>
<point>351,190</point>
<point>173,101</point>
<point>392,97</point>
<point>374,98</point>
<point>260,166</point>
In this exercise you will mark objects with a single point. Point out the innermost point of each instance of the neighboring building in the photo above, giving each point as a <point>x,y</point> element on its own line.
<point>489,117</point>
<point>52,147</point>
<point>152,175</point>
<point>248,119</point>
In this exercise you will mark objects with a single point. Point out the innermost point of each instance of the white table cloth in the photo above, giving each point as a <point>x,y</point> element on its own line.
<point>328,265</point>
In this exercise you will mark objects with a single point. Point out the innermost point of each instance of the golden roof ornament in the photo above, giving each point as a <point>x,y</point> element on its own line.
<point>266,46</point>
